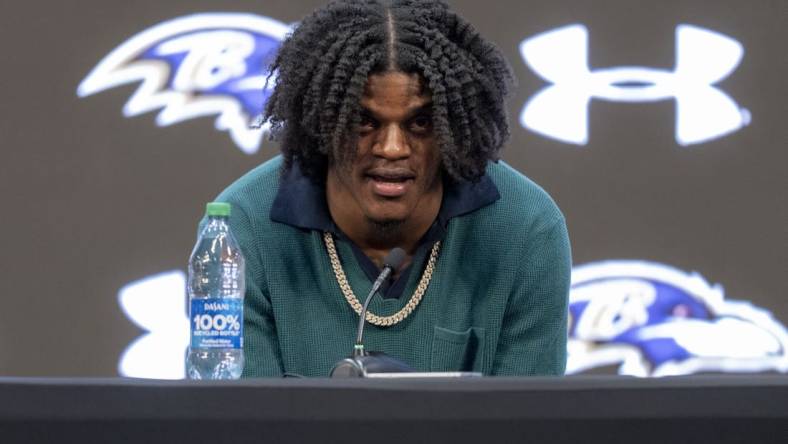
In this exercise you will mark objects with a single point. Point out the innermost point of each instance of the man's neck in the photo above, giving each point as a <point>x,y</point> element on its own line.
<point>376,240</point>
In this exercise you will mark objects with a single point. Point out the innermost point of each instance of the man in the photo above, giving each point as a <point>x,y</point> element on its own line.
<point>391,118</point>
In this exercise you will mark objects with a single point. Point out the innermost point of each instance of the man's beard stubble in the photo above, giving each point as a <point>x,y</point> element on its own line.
<point>387,230</point>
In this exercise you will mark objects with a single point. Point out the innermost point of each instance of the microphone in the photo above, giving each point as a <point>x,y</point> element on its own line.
<point>391,262</point>
<point>362,362</point>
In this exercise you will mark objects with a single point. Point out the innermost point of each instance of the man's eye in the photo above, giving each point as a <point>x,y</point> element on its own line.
<point>366,123</point>
<point>421,123</point>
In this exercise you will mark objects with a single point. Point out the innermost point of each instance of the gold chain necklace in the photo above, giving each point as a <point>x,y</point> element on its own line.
<point>383,321</point>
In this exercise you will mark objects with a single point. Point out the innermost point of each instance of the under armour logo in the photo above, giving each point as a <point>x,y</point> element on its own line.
<point>703,58</point>
<point>157,304</point>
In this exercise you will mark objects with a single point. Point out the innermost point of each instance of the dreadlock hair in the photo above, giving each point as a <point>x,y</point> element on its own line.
<point>322,70</point>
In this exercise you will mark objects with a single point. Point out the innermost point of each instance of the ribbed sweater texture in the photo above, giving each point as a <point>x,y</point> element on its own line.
<point>496,304</point>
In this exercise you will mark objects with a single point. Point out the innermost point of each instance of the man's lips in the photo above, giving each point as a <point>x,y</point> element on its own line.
<point>390,182</point>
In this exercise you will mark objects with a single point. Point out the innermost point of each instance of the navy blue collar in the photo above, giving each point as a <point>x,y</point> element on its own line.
<point>301,203</point>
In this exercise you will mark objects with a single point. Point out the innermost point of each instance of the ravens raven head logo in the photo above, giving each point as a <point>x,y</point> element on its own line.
<point>196,66</point>
<point>650,319</point>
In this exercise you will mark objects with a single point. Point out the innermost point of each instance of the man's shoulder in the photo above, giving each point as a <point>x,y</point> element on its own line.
<point>522,203</point>
<point>523,209</point>
<point>257,188</point>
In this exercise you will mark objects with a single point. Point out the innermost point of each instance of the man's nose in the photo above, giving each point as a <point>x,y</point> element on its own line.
<point>392,143</point>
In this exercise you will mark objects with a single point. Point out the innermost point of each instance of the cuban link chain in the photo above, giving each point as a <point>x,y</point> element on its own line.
<point>382,321</point>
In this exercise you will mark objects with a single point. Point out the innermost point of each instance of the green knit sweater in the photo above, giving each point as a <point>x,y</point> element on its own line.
<point>496,304</point>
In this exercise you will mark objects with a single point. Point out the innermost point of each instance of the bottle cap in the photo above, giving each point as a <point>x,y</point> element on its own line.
<point>217,209</point>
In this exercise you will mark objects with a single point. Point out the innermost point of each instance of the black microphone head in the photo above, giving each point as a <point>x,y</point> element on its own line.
<point>394,258</point>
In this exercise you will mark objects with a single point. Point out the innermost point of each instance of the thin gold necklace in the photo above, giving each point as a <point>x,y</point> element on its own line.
<point>351,298</point>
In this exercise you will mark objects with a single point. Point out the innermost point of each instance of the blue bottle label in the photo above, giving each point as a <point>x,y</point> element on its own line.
<point>217,323</point>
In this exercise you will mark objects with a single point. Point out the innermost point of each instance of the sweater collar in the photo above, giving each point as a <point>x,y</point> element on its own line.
<point>301,203</point>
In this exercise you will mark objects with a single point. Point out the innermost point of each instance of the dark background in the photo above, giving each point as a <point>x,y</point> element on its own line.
<point>92,200</point>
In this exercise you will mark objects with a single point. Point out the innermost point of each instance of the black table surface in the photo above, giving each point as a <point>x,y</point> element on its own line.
<point>708,408</point>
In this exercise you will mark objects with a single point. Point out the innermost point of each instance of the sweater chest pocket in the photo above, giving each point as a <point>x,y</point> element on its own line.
<point>457,350</point>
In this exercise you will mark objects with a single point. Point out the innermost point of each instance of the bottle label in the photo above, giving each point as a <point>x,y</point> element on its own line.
<point>217,323</point>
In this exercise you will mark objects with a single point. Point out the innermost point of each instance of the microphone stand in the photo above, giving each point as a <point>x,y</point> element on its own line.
<point>362,363</point>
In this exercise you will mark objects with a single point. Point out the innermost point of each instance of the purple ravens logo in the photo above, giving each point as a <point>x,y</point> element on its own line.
<point>213,64</point>
<point>650,319</point>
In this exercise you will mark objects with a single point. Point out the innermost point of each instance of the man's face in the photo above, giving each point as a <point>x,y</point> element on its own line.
<point>395,171</point>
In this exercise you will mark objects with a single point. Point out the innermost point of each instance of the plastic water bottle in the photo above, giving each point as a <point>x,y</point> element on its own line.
<point>216,288</point>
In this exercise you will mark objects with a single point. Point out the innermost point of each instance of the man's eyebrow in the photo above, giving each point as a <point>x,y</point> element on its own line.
<point>425,108</point>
